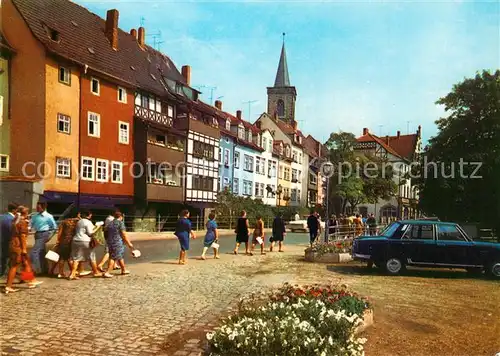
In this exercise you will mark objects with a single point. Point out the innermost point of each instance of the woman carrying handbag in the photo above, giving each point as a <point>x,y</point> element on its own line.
<point>211,237</point>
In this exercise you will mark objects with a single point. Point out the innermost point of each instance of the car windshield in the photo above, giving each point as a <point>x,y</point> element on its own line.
<point>389,230</point>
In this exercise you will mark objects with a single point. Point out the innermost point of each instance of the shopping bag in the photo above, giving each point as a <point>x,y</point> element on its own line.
<point>259,240</point>
<point>136,253</point>
<point>52,256</point>
<point>215,245</point>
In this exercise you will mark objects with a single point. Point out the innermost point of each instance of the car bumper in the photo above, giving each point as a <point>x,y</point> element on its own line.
<point>359,256</point>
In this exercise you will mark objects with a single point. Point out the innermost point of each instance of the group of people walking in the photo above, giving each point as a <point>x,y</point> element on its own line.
<point>257,237</point>
<point>243,232</point>
<point>76,244</point>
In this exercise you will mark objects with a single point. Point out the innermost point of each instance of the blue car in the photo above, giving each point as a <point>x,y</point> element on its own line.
<point>424,243</point>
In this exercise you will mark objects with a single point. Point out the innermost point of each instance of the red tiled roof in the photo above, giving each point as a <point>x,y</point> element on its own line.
<point>311,146</point>
<point>289,130</point>
<point>80,30</point>
<point>369,137</point>
<point>405,145</point>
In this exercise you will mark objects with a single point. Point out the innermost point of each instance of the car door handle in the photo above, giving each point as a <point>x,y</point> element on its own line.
<point>441,244</point>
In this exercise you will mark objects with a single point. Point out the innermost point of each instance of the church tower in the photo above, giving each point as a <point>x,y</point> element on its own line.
<point>281,97</point>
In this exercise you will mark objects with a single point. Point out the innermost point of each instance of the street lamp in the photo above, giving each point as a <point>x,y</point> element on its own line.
<point>327,170</point>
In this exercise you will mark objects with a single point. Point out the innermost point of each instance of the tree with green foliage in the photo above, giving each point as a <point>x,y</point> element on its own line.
<point>469,137</point>
<point>358,178</point>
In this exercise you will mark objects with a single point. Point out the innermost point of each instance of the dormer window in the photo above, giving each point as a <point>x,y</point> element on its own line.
<point>228,125</point>
<point>281,148</point>
<point>241,132</point>
<point>53,34</point>
<point>249,136</point>
<point>288,152</point>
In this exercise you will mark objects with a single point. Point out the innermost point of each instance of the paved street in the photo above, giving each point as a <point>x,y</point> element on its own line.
<point>132,314</point>
<point>164,302</point>
<point>154,250</point>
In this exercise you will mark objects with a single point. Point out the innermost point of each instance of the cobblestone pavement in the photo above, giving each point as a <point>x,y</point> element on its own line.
<point>132,315</point>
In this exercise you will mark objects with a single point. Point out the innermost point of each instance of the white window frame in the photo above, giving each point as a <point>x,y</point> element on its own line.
<point>98,125</point>
<point>227,157</point>
<point>113,166</point>
<point>67,73</point>
<point>236,159</point>
<point>93,173</point>
<point>63,117</point>
<point>127,141</point>
<point>236,184</point>
<point>97,168</point>
<point>59,162</point>
<point>7,163</point>
<point>228,125</point>
<point>124,97</point>
<point>92,79</point>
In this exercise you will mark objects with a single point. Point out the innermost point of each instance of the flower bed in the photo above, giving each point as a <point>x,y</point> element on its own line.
<point>310,320</point>
<point>332,252</point>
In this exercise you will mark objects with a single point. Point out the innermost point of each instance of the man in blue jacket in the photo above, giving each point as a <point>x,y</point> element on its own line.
<point>5,235</point>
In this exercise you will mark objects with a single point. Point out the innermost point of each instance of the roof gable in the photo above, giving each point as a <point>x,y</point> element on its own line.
<point>83,41</point>
<point>405,145</point>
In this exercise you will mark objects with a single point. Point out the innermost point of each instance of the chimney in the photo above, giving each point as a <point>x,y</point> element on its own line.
<point>399,133</point>
<point>111,29</point>
<point>186,73</point>
<point>275,116</point>
<point>387,139</point>
<point>142,37</point>
<point>294,125</point>
<point>238,114</point>
<point>365,131</point>
<point>218,104</point>
<point>419,131</point>
<point>133,32</point>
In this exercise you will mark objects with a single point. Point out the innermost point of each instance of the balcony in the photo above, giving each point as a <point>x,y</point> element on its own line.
<point>153,115</point>
<point>201,127</point>
<point>159,153</point>
<point>161,192</point>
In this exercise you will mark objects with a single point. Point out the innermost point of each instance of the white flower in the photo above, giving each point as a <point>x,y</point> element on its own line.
<point>210,336</point>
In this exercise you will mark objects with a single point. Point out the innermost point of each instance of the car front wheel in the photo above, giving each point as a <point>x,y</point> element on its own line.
<point>394,266</point>
<point>494,269</point>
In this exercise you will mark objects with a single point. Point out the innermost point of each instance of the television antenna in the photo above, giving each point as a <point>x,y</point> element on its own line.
<point>250,102</point>
<point>380,130</point>
<point>156,39</point>
<point>408,127</point>
<point>212,89</point>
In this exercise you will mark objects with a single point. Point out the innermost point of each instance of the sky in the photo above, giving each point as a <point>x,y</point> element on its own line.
<point>374,64</point>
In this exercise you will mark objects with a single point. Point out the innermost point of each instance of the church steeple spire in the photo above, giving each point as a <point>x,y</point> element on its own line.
<point>282,77</point>
<point>281,97</point>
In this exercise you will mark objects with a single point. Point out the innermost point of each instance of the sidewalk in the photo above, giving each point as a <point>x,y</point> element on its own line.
<point>146,236</point>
